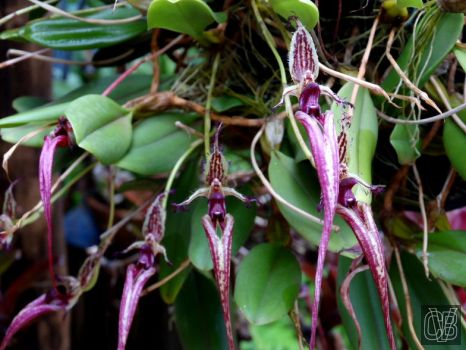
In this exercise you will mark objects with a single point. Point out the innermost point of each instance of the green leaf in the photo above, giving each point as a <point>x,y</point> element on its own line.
<point>410,3</point>
<point>454,142</point>
<point>157,144</point>
<point>460,54</point>
<point>406,142</point>
<point>422,292</point>
<point>101,127</point>
<point>13,135</point>
<point>183,16</point>
<point>305,10</point>
<point>267,284</point>
<point>447,253</point>
<point>446,32</point>
<point>178,233</point>
<point>366,303</point>
<point>133,86</point>
<point>199,253</point>
<point>223,103</point>
<point>26,103</point>
<point>71,34</point>
<point>278,335</point>
<point>198,315</point>
<point>362,136</point>
<point>298,184</point>
<point>142,5</point>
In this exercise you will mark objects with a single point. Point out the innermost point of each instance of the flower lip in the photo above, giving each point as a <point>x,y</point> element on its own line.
<point>309,100</point>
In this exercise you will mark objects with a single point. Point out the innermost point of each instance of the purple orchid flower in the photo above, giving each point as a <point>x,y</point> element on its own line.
<point>60,137</point>
<point>330,155</point>
<point>324,148</point>
<point>360,218</point>
<point>139,273</point>
<point>61,298</point>
<point>220,248</point>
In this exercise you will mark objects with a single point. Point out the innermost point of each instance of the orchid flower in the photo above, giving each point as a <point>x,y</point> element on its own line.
<point>61,298</point>
<point>139,273</point>
<point>220,248</point>
<point>330,154</point>
<point>60,137</point>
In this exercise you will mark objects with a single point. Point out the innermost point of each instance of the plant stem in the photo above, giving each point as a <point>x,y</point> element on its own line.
<point>160,283</point>
<point>207,121</point>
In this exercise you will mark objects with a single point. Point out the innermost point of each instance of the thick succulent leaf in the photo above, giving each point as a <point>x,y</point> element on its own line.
<point>96,121</point>
<point>305,10</point>
<point>133,86</point>
<point>422,291</point>
<point>460,54</point>
<point>198,246</point>
<point>280,334</point>
<point>447,32</point>
<point>366,303</point>
<point>406,142</point>
<point>157,144</point>
<point>410,3</point>
<point>198,315</point>
<point>71,34</point>
<point>362,136</point>
<point>297,184</point>
<point>454,142</point>
<point>447,253</point>
<point>13,135</point>
<point>267,283</point>
<point>183,16</point>
<point>177,233</point>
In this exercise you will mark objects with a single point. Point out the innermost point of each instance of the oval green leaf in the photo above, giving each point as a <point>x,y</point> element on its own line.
<point>183,16</point>
<point>199,253</point>
<point>362,136</point>
<point>447,254</point>
<point>71,34</point>
<point>133,86</point>
<point>454,142</point>
<point>157,144</point>
<point>267,284</point>
<point>13,135</point>
<point>305,10</point>
<point>198,315</point>
<point>101,127</point>
<point>406,142</point>
<point>298,184</point>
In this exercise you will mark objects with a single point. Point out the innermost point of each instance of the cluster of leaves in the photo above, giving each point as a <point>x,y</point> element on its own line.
<point>224,62</point>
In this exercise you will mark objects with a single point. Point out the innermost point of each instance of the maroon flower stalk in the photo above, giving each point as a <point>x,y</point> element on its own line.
<point>220,248</point>
<point>139,273</point>
<point>61,298</point>
<point>60,137</point>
